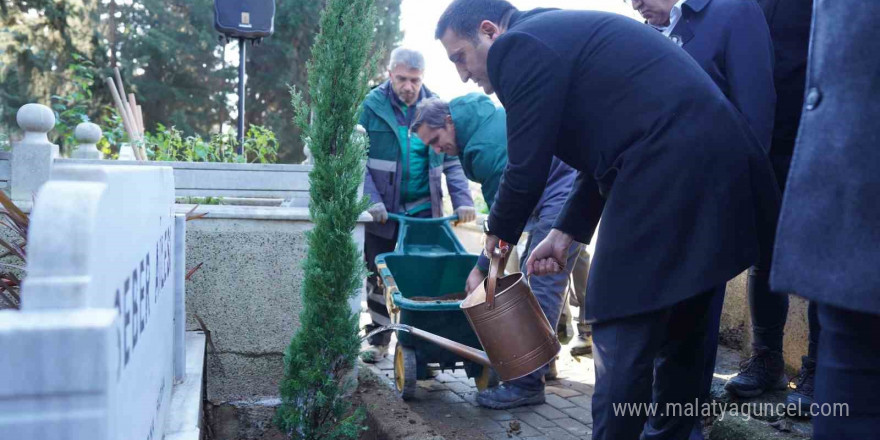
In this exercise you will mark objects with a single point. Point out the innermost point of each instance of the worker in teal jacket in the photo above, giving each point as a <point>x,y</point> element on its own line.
<point>402,175</point>
<point>474,129</point>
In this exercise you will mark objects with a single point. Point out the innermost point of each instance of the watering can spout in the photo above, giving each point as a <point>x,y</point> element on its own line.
<point>465,351</point>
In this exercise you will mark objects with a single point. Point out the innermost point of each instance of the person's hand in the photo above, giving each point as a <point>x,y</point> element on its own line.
<point>474,280</point>
<point>466,214</point>
<point>491,245</point>
<point>379,213</point>
<point>550,255</point>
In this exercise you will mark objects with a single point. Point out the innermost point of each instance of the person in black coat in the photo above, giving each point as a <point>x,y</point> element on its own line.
<point>730,40</point>
<point>828,241</point>
<point>683,186</point>
<point>789,22</point>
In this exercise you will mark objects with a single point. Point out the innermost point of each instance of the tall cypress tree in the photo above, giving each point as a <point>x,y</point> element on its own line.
<point>325,348</point>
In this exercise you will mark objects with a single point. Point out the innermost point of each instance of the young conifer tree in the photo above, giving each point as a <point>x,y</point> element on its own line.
<point>323,352</point>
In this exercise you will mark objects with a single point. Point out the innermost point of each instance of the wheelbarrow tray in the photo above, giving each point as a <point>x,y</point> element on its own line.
<point>429,276</point>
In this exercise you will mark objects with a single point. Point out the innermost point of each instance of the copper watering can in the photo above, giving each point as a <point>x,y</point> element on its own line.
<point>509,324</point>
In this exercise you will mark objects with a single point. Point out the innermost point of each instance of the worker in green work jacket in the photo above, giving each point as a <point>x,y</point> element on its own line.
<point>403,176</point>
<point>474,129</point>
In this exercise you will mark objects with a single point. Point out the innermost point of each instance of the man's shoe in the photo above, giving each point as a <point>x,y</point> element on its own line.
<point>763,371</point>
<point>506,396</point>
<point>802,396</point>
<point>583,345</point>
<point>374,354</point>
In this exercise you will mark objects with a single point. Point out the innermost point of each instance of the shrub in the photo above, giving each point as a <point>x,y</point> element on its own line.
<point>323,352</point>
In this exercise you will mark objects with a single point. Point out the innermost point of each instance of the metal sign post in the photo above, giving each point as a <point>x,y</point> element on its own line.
<point>242,57</point>
<point>245,20</point>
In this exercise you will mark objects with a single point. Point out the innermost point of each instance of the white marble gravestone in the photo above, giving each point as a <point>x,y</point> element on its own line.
<point>90,355</point>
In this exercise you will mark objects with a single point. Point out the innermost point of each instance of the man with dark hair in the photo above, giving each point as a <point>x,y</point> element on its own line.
<point>685,190</point>
<point>472,128</point>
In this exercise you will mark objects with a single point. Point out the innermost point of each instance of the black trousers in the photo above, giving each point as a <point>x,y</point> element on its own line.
<point>769,310</point>
<point>655,357</point>
<point>373,246</point>
<point>846,406</point>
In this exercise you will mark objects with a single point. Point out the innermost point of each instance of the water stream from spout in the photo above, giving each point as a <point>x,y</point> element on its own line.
<point>386,328</point>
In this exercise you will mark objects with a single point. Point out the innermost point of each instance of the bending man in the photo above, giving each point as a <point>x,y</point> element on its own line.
<point>474,129</point>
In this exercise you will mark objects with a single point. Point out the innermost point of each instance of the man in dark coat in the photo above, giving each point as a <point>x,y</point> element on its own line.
<point>828,241</point>
<point>684,183</point>
<point>730,40</point>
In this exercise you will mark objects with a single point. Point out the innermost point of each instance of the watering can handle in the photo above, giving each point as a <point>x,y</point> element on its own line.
<point>494,267</point>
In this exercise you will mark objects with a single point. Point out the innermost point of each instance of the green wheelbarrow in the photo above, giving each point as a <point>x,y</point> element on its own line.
<point>424,281</point>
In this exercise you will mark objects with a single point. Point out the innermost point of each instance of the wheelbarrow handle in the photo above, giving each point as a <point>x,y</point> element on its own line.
<point>400,218</point>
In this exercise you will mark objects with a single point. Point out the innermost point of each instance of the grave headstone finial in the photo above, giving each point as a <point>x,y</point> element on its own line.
<point>35,120</point>
<point>87,136</point>
<point>32,157</point>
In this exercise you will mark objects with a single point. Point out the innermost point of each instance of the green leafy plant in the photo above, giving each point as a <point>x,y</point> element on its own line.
<point>170,144</point>
<point>73,108</point>
<point>76,106</point>
<point>322,354</point>
<point>260,145</point>
<point>114,134</point>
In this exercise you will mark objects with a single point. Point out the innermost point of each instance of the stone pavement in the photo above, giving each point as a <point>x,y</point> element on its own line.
<point>449,400</point>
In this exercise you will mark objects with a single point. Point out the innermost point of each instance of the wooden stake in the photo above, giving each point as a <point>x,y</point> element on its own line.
<point>132,103</point>
<point>140,116</point>
<point>120,107</point>
<point>121,90</point>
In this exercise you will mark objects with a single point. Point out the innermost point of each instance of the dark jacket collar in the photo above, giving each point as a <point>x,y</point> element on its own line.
<point>682,29</point>
<point>519,16</point>
<point>695,5</point>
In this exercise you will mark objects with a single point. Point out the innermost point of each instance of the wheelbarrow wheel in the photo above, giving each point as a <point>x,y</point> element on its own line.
<point>405,370</point>
<point>487,379</point>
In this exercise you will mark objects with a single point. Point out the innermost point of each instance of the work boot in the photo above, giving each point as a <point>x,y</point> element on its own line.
<point>564,330</point>
<point>374,354</point>
<point>506,396</point>
<point>763,371</point>
<point>802,396</point>
<point>583,345</point>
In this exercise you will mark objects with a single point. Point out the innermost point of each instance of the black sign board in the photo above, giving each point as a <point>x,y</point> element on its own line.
<point>248,19</point>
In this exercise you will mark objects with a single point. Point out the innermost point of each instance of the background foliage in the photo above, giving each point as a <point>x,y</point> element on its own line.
<point>322,353</point>
<point>170,144</point>
<point>170,57</point>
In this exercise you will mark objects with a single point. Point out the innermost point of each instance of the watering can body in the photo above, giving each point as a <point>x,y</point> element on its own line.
<point>510,325</point>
